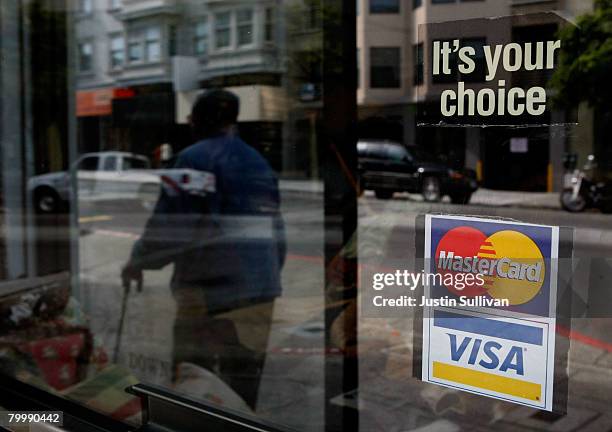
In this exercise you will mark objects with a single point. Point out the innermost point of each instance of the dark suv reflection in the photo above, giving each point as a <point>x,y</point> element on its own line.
<point>387,167</point>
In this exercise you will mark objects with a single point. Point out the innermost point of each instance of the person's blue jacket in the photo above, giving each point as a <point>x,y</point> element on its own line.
<point>229,243</point>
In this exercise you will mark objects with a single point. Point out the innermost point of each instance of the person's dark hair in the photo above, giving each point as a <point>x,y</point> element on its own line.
<point>213,111</point>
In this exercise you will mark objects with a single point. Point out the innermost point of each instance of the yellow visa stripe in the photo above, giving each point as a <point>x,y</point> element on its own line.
<point>487,381</point>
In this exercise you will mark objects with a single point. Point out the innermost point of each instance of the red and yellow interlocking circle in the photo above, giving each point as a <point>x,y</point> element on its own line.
<point>515,268</point>
<point>521,253</point>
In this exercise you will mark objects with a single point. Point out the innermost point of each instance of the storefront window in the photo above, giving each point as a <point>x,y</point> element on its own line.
<point>286,213</point>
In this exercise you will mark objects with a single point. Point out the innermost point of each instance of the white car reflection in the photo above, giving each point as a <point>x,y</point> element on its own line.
<point>111,176</point>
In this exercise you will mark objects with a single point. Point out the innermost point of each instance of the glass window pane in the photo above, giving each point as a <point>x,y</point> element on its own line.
<point>85,56</point>
<point>153,50</point>
<point>222,19</point>
<point>222,38</point>
<point>117,43</point>
<point>117,51</point>
<point>244,16</point>
<point>245,35</point>
<point>195,195</point>
<point>152,34</point>
<point>89,163</point>
<point>269,28</point>
<point>202,29</point>
<point>218,317</point>
<point>200,46</point>
<point>384,6</point>
<point>135,51</point>
<point>222,30</point>
<point>385,67</point>
<point>201,37</point>
<point>110,163</point>
<point>135,163</point>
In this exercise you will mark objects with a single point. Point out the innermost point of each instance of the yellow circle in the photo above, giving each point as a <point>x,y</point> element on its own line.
<point>520,274</point>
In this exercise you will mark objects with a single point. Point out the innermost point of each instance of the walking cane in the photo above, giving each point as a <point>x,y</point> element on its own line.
<point>126,282</point>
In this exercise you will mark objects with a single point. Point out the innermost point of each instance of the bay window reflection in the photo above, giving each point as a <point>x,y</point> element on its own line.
<point>222,30</point>
<point>244,19</point>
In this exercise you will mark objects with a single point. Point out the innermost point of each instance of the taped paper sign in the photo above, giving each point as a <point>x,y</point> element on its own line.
<point>505,352</point>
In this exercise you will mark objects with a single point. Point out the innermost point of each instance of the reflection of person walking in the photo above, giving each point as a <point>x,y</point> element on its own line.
<point>227,244</point>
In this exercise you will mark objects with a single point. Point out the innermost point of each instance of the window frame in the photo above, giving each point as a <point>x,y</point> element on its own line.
<point>134,40</point>
<point>240,24</point>
<point>203,21</point>
<point>112,50</point>
<point>269,24</point>
<point>18,395</point>
<point>226,28</point>
<point>91,66</point>
<point>139,38</point>
<point>149,42</point>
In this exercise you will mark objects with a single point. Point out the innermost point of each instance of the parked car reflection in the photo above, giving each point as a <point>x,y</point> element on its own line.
<point>387,167</point>
<point>108,176</point>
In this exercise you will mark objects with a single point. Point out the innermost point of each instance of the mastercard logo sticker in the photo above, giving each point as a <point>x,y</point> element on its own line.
<point>510,263</point>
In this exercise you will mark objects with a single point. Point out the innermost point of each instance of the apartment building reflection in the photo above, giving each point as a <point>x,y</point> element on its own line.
<point>140,65</point>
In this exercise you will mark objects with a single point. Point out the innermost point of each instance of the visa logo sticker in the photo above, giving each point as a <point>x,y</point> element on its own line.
<point>500,357</point>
